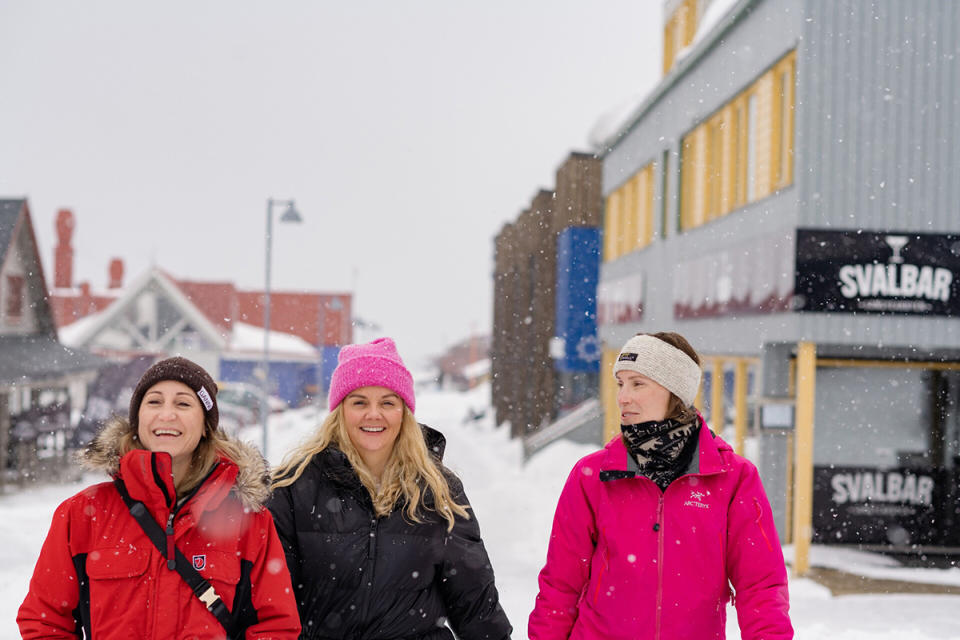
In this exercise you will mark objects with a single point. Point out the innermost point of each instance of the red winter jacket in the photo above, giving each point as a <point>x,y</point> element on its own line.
<point>99,575</point>
<point>627,561</point>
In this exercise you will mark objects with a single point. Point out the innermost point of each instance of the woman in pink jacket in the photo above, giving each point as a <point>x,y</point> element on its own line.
<point>656,532</point>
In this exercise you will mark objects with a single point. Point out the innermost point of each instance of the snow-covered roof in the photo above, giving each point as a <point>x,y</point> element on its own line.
<point>614,120</point>
<point>153,276</point>
<point>716,10</point>
<point>246,339</point>
<point>76,332</point>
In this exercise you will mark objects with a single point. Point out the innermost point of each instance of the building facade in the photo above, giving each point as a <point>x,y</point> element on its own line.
<point>786,198</point>
<point>43,384</point>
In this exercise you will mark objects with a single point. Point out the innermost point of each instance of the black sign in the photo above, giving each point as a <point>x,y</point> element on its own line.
<point>877,506</point>
<point>877,272</point>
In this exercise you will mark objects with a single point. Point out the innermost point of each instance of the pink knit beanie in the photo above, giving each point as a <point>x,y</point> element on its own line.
<point>375,364</point>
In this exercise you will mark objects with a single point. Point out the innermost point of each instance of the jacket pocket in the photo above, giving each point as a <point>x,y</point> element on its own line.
<point>217,566</point>
<point>759,521</point>
<point>117,563</point>
<point>221,570</point>
<point>601,568</point>
<point>120,587</point>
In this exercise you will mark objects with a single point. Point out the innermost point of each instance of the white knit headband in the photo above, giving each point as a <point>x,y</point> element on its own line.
<point>664,364</point>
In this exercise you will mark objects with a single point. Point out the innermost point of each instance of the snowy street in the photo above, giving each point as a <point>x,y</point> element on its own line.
<point>514,504</point>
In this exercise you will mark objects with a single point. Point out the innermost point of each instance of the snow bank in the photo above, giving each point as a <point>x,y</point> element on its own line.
<point>514,504</point>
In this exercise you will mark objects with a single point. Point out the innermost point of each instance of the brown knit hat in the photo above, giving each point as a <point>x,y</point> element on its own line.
<point>181,370</point>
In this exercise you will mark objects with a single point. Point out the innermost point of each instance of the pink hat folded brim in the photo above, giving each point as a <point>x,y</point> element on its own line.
<point>371,371</point>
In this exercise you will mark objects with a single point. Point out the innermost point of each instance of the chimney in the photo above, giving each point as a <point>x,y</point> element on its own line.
<point>85,304</point>
<point>63,252</point>
<point>116,274</point>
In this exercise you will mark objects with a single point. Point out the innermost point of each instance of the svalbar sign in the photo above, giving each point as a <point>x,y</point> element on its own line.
<point>877,272</point>
<point>866,505</point>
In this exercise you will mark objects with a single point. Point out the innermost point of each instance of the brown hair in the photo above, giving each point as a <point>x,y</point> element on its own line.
<point>676,409</point>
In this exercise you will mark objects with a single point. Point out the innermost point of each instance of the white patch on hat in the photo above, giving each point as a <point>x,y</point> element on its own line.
<point>205,398</point>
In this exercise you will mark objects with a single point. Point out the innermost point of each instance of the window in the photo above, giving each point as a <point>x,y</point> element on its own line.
<point>664,186</point>
<point>678,32</point>
<point>628,223</point>
<point>751,142</point>
<point>714,168</point>
<point>741,153</point>
<point>693,176</point>
<point>611,227</point>
<point>629,214</point>
<point>668,51</point>
<point>14,297</point>
<point>687,172</point>
<point>783,130</point>
<point>782,152</point>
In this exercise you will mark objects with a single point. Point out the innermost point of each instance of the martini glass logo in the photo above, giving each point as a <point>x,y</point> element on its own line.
<point>896,243</point>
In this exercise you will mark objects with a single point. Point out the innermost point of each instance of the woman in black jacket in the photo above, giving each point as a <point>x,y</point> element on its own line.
<point>378,534</point>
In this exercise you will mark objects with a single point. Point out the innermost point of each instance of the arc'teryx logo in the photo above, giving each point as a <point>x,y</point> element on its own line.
<point>695,500</point>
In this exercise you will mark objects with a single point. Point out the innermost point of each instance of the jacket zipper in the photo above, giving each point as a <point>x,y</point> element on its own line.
<point>372,546</point>
<point>658,527</point>
<point>174,508</point>
<point>372,562</point>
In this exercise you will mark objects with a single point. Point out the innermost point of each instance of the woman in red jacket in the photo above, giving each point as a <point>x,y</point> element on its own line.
<point>652,531</point>
<point>99,573</point>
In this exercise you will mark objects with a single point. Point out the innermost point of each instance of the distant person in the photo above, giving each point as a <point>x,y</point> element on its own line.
<point>651,531</point>
<point>379,536</point>
<point>184,498</point>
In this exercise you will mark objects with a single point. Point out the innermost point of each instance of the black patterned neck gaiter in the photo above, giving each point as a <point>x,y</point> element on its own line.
<point>662,449</point>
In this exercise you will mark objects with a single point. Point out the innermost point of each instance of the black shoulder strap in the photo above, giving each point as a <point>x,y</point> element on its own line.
<point>201,588</point>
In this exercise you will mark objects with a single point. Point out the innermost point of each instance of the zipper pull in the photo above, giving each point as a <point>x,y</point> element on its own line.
<point>171,549</point>
<point>372,548</point>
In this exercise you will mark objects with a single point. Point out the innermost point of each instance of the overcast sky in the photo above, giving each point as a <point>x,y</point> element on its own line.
<point>408,132</point>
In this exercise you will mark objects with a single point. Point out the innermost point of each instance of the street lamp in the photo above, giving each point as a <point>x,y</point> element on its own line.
<point>290,215</point>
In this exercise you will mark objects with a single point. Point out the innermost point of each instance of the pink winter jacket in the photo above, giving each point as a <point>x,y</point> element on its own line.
<point>627,561</point>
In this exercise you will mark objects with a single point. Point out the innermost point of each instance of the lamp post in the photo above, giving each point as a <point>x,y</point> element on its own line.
<point>290,215</point>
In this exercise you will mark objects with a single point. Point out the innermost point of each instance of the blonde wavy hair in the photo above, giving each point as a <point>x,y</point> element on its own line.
<point>410,470</point>
<point>212,445</point>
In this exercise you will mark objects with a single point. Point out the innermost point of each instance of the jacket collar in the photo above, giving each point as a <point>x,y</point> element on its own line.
<point>244,473</point>
<point>617,463</point>
<point>148,477</point>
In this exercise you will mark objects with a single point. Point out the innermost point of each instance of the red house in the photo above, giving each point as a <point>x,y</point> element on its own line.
<point>321,319</point>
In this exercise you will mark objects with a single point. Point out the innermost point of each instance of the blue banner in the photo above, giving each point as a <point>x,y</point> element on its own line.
<point>578,268</point>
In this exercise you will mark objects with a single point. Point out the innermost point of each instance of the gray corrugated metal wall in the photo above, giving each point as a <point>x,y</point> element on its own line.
<point>879,93</point>
<point>877,139</point>
<point>876,147</point>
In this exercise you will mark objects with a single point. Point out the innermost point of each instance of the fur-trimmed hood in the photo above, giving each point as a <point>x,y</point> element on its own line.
<point>252,485</point>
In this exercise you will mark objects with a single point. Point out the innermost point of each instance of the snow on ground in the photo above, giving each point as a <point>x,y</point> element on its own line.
<point>514,503</point>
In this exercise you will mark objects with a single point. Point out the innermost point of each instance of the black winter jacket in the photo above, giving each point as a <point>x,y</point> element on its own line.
<point>358,576</point>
